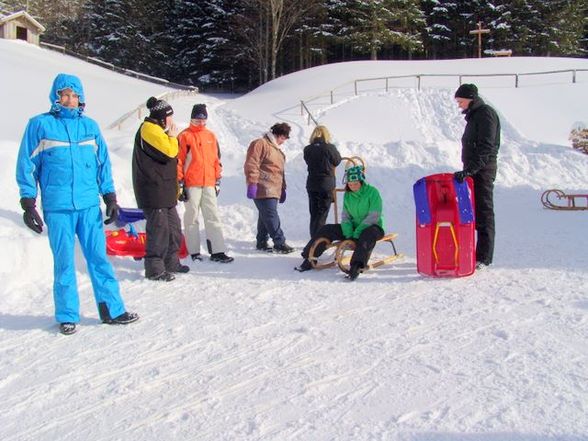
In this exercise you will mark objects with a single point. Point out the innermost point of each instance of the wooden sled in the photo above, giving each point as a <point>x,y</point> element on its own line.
<point>339,253</point>
<point>558,200</point>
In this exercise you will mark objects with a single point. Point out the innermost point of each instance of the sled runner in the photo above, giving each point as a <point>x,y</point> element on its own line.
<point>131,243</point>
<point>339,253</point>
<point>445,226</point>
<point>558,200</point>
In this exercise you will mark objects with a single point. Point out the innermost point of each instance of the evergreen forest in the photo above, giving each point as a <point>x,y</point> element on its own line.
<point>236,45</point>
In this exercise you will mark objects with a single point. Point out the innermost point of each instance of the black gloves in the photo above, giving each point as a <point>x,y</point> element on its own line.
<point>217,187</point>
<point>111,208</point>
<point>183,195</point>
<point>31,215</point>
<point>460,175</point>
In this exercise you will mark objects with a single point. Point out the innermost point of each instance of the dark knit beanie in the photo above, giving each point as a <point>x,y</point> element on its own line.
<point>469,91</point>
<point>159,109</point>
<point>199,112</point>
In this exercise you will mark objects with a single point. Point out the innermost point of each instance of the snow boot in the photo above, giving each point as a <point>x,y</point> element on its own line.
<point>196,256</point>
<point>481,266</point>
<point>263,246</point>
<point>68,328</point>
<point>163,277</point>
<point>354,271</point>
<point>283,249</point>
<point>124,319</point>
<point>180,269</point>
<point>304,266</point>
<point>221,257</point>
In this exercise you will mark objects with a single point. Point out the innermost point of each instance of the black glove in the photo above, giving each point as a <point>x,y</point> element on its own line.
<point>460,175</point>
<point>217,188</point>
<point>31,216</point>
<point>111,208</point>
<point>183,195</point>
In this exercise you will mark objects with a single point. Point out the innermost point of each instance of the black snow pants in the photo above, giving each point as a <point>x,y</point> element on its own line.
<point>484,199</point>
<point>319,204</point>
<point>363,246</point>
<point>164,237</point>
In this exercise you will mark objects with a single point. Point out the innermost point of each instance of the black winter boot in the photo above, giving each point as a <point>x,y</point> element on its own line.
<point>263,246</point>
<point>354,271</point>
<point>124,319</point>
<point>283,249</point>
<point>304,266</point>
<point>221,257</point>
<point>180,269</point>
<point>163,277</point>
<point>67,328</point>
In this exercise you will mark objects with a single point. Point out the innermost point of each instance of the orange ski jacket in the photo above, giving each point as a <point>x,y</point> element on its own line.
<point>199,157</point>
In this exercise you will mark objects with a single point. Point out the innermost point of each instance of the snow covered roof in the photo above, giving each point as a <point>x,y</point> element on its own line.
<point>25,15</point>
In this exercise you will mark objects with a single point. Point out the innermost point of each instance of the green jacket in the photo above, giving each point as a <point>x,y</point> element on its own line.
<point>360,210</point>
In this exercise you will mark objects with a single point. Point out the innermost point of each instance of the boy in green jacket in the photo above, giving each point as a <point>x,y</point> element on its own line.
<point>361,222</point>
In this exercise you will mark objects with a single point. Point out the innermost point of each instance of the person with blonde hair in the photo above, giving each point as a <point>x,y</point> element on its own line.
<point>321,158</point>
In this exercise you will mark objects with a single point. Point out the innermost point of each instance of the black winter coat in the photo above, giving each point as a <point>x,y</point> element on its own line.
<point>321,158</point>
<point>154,176</point>
<point>481,137</point>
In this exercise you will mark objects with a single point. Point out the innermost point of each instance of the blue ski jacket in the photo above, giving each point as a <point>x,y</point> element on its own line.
<point>63,154</point>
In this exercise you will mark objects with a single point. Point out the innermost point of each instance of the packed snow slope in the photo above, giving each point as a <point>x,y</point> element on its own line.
<point>253,350</point>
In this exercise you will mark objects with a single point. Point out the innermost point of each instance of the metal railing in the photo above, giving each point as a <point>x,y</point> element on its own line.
<point>419,77</point>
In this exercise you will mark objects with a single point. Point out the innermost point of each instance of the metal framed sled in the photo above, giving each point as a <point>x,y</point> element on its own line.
<point>558,200</point>
<point>130,243</point>
<point>338,253</point>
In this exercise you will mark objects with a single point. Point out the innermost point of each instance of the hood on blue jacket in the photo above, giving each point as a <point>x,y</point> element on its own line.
<point>66,81</point>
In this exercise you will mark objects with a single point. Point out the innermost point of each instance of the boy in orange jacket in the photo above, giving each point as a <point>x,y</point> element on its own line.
<point>199,174</point>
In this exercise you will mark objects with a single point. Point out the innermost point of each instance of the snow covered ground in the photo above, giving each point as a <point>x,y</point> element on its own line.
<point>256,351</point>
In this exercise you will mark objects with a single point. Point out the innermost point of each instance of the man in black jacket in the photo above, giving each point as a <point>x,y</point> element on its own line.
<point>480,143</point>
<point>155,185</point>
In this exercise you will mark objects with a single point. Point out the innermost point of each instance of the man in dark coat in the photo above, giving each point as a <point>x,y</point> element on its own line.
<point>480,143</point>
<point>156,190</point>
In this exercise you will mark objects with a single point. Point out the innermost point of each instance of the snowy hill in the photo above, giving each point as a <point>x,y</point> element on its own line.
<point>255,351</point>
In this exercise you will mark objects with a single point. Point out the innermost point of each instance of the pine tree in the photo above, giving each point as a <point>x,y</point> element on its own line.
<point>564,22</point>
<point>439,34</point>
<point>108,31</point>
<point>379,23</point>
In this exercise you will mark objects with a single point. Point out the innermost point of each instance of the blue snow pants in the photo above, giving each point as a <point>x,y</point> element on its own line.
<point>62,227</point>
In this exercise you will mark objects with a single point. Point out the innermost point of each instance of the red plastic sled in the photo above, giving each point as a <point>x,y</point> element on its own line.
<point>130,244</point>
<point>445,226</point>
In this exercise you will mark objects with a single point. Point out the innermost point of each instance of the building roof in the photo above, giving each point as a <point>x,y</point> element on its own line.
<point>26,15</point>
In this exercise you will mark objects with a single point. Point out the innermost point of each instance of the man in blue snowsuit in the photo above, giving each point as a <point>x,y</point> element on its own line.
<point>64,155</point>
